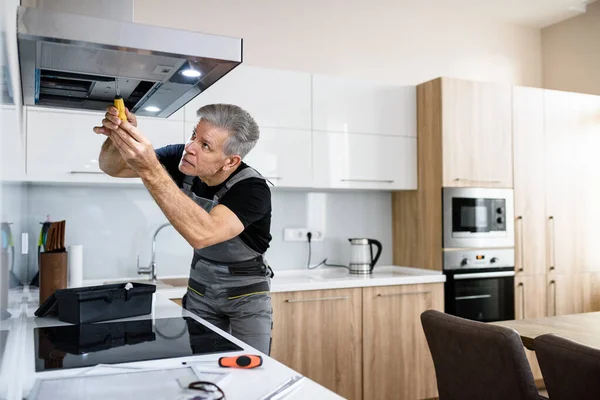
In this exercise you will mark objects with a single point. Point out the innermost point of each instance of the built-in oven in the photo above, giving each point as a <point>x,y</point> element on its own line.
<point>480,284</point>
<point>478,217</point>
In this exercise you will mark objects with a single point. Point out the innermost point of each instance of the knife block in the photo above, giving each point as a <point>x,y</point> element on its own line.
<point>53,273</point>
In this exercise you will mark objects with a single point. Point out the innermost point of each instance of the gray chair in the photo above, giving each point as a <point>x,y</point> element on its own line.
<point>570,370</point>
<point>475,361</point>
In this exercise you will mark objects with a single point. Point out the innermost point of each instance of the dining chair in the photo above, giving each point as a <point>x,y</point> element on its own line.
<point>571,370</point>
<point>474,360</point>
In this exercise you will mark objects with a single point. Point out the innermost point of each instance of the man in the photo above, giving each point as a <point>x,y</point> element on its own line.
<point>220,205</point>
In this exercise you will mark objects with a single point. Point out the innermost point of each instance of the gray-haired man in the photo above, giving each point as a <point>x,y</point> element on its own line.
<point>220,205</point>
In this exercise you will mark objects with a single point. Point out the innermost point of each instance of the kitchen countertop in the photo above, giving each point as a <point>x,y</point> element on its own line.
<point>318,279</point>
<point>18,376</point>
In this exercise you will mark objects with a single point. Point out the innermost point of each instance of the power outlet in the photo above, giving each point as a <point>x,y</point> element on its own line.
<point>300,235</point>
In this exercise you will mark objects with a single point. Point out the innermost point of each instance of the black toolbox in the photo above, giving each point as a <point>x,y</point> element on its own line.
<point>99,303</point>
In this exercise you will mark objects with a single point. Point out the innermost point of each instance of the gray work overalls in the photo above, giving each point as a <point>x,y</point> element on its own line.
<point>229,282</point>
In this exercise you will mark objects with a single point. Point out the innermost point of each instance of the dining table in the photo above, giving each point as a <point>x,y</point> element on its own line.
<point>583,328</point>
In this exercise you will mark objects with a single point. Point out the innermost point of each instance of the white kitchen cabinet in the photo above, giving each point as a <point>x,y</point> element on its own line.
<point>61,146</point>
<point>12,167</point>
<point>352,106</point>
<point>281,155</point>
<point>275,98</point>
<point>357,161</point>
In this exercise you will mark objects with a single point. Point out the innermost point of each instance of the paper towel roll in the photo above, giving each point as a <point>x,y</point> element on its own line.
<point>75,265</point>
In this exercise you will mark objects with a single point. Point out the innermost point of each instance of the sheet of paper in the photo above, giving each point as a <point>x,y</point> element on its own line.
<point>131,384</point>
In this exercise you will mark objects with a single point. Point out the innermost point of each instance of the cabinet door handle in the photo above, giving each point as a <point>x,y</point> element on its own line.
<point>476,180</point>
<point>552,244</point>
<point>273,177</point>
<point>401,294</point>
<point>368,180</point>
<point>521,247</point>
<point>553,283</point>
<point>87,172</point>
<point>317,299</point>
<point>522,286</point>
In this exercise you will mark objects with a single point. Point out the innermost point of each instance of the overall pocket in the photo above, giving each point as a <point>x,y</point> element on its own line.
<point>248,290</point>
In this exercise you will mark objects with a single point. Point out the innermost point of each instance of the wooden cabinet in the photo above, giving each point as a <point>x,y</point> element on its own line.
<point>564,295</point>
<point>361,343</point>
<point>477,134</point>
<point>590,291</point>
<point>177,301</point>
<point>319,334</point>
<point>587,201</point>
<point>349,105</point>
<point>530,302</point>
<point>530,295</point>
<point>62,147</point>
<point>275,98</point>
<point>397,361</point>
<point>561,114</point>
<point>529,181</point>
<point>346,160</point>
<point>556,195</point>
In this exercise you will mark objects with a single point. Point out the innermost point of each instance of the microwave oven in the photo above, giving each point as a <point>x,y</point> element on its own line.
<point>478,217</point>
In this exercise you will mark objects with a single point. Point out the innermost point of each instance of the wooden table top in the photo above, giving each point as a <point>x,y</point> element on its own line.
<point>582,328</point>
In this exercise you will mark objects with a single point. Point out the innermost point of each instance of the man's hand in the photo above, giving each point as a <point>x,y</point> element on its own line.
<point>112,110</point>
<point>134,147</point>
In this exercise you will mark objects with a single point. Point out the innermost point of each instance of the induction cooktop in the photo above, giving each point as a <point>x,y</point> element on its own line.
<point>76,346</point>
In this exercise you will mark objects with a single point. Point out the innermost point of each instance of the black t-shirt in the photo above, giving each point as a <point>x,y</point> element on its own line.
<point>249,199</point>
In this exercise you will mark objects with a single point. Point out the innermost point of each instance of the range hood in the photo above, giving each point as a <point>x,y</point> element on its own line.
<point>78,61</point>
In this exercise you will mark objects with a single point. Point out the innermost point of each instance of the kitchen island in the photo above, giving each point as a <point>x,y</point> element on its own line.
<point>18,370</point>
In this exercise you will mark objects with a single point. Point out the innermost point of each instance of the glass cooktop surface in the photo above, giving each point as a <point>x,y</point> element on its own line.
<point>85,345</point>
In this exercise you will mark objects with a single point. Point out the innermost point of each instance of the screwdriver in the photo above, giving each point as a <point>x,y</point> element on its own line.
<point>119,103</point>
<point>246,361</point>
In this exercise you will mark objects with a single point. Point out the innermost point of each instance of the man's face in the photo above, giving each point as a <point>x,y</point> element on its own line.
<point>203,155</point>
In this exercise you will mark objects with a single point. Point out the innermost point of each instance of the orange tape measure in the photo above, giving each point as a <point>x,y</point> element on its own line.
<point>245,361</point>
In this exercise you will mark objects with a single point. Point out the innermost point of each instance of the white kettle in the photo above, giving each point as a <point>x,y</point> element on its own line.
<point>361,255</point>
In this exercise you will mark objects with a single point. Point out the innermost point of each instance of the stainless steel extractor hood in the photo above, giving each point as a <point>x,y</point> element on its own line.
<point>74,61</point>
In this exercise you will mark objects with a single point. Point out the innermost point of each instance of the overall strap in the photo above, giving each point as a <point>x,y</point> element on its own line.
<point>187,182</point>
<point>246,173</point>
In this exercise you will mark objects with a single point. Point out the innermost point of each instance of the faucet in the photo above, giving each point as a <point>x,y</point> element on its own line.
<point>151,269</point>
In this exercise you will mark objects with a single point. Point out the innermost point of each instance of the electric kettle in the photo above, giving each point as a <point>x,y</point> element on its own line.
<point>361,255</point>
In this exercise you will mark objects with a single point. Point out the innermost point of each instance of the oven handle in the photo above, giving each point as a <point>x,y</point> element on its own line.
<point>474,297</point>
<point>476,275</point>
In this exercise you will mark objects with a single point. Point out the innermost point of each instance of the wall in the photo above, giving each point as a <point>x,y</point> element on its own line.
<point>115,224</point>
<point>397,41</point>
<point>571,53</point>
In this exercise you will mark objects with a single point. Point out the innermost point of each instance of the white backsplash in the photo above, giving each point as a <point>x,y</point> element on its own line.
<point>115,224</point>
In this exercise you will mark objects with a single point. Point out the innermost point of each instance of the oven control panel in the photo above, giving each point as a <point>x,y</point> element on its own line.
<point>479,258</point>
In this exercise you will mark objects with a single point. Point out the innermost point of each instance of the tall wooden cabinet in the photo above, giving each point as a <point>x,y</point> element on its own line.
<point>555,199</point>
<point>464,139</point>
<point>361,343</point>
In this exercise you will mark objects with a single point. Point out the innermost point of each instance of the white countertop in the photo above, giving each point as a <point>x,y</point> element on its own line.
<point>336,278</point>
<point>320,278</point>
<point>17,372</point>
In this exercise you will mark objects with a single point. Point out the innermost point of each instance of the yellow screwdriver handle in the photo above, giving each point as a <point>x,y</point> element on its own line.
<point>120,105</point>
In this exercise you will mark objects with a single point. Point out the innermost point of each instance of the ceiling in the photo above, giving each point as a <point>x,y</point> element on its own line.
<point>532,13</point>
